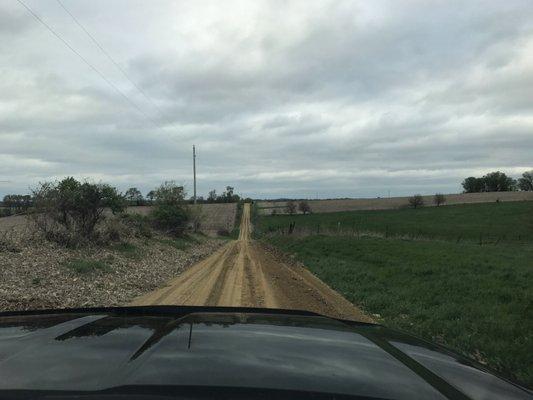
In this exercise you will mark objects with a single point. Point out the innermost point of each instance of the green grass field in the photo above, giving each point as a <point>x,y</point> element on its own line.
<point>511,221</point>
<point>475,299</point>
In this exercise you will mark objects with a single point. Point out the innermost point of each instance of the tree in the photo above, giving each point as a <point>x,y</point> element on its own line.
<point>499,182</point>
<point>290,208</point>
<point>212,197</point>
<point>151,196</point>
<point>170,193</point>
<point>304,207</point>
<point>134,196</point>
<point>228,196</point>
<point>439,199</point>
<point>473,185</point>
<point>525,183</point>
<point>416,201</point>
<point>18,202</point>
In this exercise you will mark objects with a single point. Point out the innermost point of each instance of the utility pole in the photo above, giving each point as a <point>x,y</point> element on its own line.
<point>194,170</point>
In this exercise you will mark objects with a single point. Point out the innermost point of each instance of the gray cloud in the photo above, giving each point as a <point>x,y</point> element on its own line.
<point>282,99</point>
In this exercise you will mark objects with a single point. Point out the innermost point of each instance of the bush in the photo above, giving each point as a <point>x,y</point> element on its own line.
<point>169,213</point>
<point>416,201</point>
<point>140,225</point>
<point>68,211</point>
<point>170,218</point>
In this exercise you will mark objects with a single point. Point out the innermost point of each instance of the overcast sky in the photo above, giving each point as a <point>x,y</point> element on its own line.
<point>282,98</point>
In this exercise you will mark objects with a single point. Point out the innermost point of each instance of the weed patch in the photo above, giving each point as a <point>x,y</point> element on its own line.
<point>82,266</point>
<point>128,250</point>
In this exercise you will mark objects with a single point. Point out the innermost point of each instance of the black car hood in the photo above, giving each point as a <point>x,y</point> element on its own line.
<point>273,351</point>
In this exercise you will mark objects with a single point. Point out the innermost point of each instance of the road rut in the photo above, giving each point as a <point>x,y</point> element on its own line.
<point>242,273</point>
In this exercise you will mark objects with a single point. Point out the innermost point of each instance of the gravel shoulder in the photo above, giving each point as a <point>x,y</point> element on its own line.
<point>38,274</point>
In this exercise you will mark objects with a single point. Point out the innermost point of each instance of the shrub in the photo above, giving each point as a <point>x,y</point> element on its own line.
<point>8,242</point>
<point>170,218</point>
<point>169,213</point>
<point>111,230</point>
<point>68,211</point>
<point>5,212</point>
<point>416,201</point>
<point>439,199</point>
<point>140,225</point>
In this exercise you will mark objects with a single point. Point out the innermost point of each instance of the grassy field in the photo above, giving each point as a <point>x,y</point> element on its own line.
<point>490,222</point>
<point>475,299</point>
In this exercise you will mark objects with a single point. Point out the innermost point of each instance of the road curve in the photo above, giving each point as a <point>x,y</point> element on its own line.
<point>242,273</point>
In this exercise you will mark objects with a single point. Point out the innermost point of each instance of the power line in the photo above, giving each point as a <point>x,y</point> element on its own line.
<point>111,84</point>
<point>116,64</point>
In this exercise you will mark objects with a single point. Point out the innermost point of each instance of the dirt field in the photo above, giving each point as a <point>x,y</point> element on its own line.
<point>335,205</point>
<point>243,273</point>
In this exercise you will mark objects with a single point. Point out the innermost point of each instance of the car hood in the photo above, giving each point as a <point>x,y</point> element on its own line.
<point>193,347</point>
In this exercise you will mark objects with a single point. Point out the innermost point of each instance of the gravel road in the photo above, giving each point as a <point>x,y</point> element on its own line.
<point>244,273</point>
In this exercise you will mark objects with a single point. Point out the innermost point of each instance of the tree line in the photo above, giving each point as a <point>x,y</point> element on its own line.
<point>134,197</point>
<point>498,182</point>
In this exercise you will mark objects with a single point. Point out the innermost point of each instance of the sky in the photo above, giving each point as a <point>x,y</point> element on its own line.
<point>314,99</point>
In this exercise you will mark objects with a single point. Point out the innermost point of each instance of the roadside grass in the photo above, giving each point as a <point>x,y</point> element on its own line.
<point>477,300</point>
<point>83,266</point>
<point>128,250</point>
<point>183,242</point>
<point>488,222</point>
<point>234,234</point>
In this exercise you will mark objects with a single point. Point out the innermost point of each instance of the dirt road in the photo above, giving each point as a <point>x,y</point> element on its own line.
<point>243,273</point>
